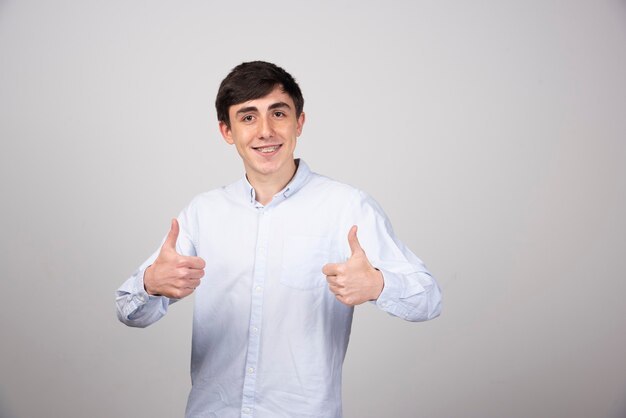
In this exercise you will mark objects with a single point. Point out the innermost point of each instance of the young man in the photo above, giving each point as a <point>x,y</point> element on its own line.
<point>283,266</point>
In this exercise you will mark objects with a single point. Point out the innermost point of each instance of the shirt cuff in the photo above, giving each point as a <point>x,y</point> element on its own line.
<point>395,288</point>
<point>138,295</point>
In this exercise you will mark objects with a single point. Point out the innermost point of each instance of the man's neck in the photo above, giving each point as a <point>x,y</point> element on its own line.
<point>265,187</point>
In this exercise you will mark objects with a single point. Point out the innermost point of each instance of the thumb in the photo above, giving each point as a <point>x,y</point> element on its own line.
<point>355,246</point>
<point>172,236</point>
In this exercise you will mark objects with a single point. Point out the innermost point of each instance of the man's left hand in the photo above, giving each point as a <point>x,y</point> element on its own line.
<point>356,281</point>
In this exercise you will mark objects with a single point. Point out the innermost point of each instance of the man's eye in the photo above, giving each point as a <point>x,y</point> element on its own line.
<point>247,118</point>
<point>279,114</point>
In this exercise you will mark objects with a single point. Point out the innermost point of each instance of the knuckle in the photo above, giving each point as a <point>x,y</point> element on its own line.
<point>339,297</point>
<point>181,261</point>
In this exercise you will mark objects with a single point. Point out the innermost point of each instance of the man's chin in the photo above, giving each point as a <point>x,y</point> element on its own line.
<point>269,168</point>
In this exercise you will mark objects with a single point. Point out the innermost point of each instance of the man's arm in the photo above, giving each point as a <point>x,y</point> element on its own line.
<point>135,307</point>
<point>164,278</point>
<point>389,274</point>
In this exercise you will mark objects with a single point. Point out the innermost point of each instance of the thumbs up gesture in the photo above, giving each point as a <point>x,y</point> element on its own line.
<point>355,281</point>
<point>173,275</point>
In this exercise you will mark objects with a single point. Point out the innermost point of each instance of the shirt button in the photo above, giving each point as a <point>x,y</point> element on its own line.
<point>250,370</point>
<point>255,330</point>
<point>258,288</point>
<point>246,411</point>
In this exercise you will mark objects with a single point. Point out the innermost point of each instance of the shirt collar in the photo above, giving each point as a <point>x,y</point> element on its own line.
<point>299,179</point>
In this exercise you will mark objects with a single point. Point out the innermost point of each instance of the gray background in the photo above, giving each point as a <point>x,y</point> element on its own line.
<point>492,132</point>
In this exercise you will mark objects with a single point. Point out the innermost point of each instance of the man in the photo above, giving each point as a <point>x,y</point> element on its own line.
<point>283,265</point>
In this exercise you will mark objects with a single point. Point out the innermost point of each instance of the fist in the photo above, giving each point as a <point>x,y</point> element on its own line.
<point>172,274</point>
<point>356,281</point>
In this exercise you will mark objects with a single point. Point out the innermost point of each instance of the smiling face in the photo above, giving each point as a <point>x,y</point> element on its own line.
<point>264,131</point>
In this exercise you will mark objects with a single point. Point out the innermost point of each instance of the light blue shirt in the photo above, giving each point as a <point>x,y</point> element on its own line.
<point>269,337</point>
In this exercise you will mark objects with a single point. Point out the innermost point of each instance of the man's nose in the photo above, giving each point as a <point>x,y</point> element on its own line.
<point>266,128</point>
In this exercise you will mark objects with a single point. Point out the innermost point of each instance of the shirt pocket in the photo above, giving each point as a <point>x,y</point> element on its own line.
<point>303,259</point>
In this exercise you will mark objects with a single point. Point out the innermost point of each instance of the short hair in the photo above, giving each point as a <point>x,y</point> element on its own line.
<point>253,80</point>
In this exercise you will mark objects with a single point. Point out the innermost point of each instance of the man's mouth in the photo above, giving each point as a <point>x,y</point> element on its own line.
<point>267,149</point>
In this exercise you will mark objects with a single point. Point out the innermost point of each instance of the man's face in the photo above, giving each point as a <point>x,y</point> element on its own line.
<point>264,131</point>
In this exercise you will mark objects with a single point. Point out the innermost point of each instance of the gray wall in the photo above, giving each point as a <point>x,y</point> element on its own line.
<point>492,132</point>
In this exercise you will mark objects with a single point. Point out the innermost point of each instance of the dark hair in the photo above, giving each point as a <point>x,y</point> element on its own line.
<point>253,80</point>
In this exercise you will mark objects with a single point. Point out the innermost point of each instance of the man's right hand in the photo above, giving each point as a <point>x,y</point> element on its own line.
<point>173,275</point>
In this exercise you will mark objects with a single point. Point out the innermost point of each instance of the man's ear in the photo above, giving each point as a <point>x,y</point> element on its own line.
<point>300,124</point>
<point>226,132</point>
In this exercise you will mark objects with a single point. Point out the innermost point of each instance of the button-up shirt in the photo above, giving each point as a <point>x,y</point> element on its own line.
<point>269,337</point>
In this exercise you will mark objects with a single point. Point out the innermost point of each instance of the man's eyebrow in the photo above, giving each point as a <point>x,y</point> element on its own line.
<point>278,105</point>
<point>247,109</point>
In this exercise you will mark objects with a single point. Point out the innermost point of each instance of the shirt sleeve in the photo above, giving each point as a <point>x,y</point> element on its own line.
<point>410,291</point>
<point>135,307</point>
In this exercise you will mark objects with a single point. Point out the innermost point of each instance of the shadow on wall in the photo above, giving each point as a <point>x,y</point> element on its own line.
<point>4,409</point>
<point>620,407</point>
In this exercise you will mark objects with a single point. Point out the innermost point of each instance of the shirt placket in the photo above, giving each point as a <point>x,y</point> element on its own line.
<point>254,330</point>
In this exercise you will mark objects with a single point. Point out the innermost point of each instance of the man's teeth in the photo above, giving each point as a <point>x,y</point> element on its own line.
<point>268,149</point>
